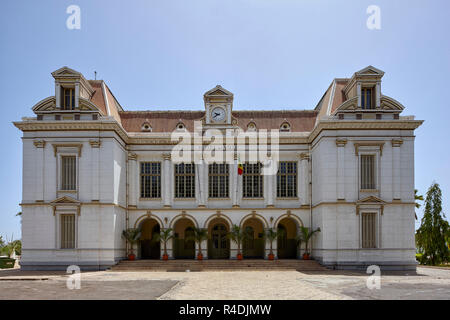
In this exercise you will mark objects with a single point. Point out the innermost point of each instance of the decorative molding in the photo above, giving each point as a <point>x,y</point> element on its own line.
<point>78,146</point>
<point>39,143</point>
<point>164,139</point>
<point>95,143</point>
<point>378,144</point>
<point>132,156</point>
<point>304,156</point>
<point>167,156</point>
<point>396,142</point>
<point>341,142</point>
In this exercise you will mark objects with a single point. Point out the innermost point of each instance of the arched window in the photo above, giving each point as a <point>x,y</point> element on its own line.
<point>146,127</point>
<point>285,127</point>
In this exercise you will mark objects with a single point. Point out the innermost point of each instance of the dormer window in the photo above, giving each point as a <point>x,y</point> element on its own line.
<point>180,126</point>
<point>285,127</point>
<point>68,102</point>
<point>251,126</point>
<point>367,101</point>
<point>146,127</point>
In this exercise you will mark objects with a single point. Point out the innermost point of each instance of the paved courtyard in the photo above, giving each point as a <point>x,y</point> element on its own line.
<point>428,283</point>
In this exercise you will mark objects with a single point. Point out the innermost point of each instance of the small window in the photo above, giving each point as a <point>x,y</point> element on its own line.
<point>150,180</point>
<point>185,180</point>
<point>285,127</point>
<point>95,117</point>
<point>252,181</point>
<point>287,179</point>
<point>68,173</point>
<point>341,116</point>
<point>218,179</point>
<point>368,172</point>
<point>180,127</point>
<point>367,98</point>
<point>146,127</point>
<point>77,117</point>
<point>67,231</point>
<point>39,117</point>
<point>368,226</point>
<point>251,126</point>
<point>379,116</point>
<point>57,117</point>
<point>68,101</point>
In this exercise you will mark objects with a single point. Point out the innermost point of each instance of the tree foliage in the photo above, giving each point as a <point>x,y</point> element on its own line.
<point>432,236</point>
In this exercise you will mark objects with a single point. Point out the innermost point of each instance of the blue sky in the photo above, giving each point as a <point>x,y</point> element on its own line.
<point>272,54</point>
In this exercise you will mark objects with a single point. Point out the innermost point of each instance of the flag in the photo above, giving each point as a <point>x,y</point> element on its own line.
<point>240,169</point>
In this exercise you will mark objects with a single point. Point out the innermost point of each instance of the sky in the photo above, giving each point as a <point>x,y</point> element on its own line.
<point>272,54</point>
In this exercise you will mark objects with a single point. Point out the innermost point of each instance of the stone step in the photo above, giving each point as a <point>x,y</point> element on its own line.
<point>217,265</point>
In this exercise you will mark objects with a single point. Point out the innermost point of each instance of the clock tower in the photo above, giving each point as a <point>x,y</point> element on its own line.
<point>218,106</point>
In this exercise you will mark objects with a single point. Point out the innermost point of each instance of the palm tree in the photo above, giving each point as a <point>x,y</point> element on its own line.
<point>271,235</point>
<point>237,235</point>
<point>417,197</point>
<point>306,236</point>
<point>200,234</point>
<point>132,235</point>
<point>163,236</point>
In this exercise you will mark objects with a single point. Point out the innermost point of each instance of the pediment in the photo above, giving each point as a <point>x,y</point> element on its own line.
<point>65,71</point>
<point>388,103</point>
<point>348,105</point>
<point>370,70</point>
<point>47,104</point>
<point>218,91</point>
<point>371,200</point>
<point>66,200</point>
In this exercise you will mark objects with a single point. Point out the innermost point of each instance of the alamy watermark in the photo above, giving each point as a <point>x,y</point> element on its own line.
<point>374,280</point>
<point>73,21</point>
<point>74,280</point>
<point>229,146</point>
<point>374,20</point>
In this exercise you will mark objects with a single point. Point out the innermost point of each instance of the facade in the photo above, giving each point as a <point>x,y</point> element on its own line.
<point>92,169</point>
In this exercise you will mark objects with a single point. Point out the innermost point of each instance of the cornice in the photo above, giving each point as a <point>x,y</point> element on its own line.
<point>164,139</point>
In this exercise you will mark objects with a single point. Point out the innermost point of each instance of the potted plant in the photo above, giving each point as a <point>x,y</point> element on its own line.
<point>164,236</point>
<point>271,235</point>
<point>132,235</point>
<point>200,234</point>
<point>306,236</point>
<point>237,235</point>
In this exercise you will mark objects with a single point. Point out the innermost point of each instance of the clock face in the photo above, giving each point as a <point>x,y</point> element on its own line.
<point>218,114</point>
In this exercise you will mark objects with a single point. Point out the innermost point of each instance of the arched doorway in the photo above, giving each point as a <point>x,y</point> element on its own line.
<point>287,243</point>
<point>183,245</point>
<point>149,249</point>
<point>253,246</point>
<point>218,242</point>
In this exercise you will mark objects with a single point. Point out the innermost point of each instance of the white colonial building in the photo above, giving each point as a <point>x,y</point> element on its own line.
<point>92,169</point>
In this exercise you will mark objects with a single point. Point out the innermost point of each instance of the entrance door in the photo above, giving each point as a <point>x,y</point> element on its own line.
<point>185,247</point>
<point>150,249</point>
<point>253,245</point>
<point>286,246</point>
<point>219,244</point>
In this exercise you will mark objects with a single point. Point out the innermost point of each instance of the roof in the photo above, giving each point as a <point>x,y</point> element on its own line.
<point>166,121</point>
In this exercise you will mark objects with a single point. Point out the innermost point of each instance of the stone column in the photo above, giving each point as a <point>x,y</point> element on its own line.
<point>378,95</point>
<point>270,192</point>
<point>58,95</point>
<point>396,183</point>
<point>132,192</point>
<point>199,178</point>
<point>95,167</point>
<point>234,182</point>
<point>167,180</point>
<point>40,169</point>
<point>303,167</point>
<point>358,93</point>
<point>77,95</point>
<point>340,179</point>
